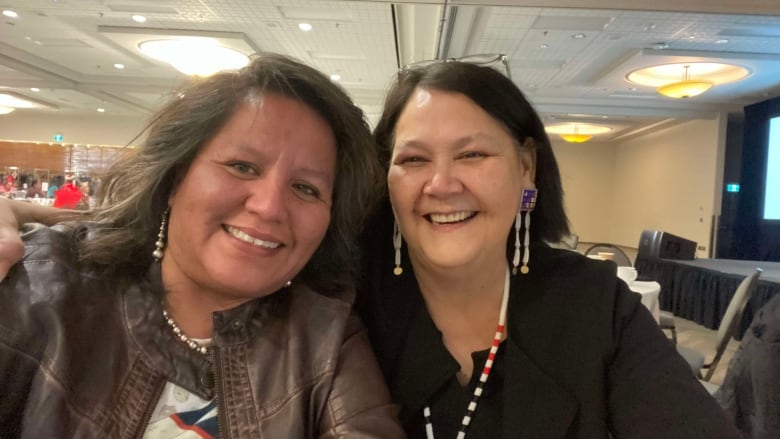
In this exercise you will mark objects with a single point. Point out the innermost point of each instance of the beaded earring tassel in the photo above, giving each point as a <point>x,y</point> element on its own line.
<point>523,221</point>
<point>397,239</point>
<point>159,245</point>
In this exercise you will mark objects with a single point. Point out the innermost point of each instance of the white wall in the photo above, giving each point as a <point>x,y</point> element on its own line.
<point>97,129</point>
<point>670,180</point>
<point>588,173</point>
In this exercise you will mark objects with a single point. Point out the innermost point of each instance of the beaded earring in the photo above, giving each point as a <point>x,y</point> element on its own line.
<point>397,239</point>
<point>523,221</point>
<point>159,245</point>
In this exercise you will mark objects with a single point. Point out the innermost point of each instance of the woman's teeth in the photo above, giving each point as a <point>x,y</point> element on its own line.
<point>246,238</point>
<point>446,218</point>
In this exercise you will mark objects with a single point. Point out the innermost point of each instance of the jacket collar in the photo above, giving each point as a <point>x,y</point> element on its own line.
<point>142,309</point>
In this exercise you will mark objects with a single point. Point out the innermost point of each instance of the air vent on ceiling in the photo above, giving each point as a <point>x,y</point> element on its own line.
<point>571,23</point>
<point>63,43</point>
<point>142,9</point>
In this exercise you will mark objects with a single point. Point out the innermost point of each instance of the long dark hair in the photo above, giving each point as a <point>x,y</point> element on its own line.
<point>500,98</point>
<point>136,188</point>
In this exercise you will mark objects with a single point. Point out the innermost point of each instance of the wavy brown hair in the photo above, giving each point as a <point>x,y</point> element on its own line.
<point>135,189</point>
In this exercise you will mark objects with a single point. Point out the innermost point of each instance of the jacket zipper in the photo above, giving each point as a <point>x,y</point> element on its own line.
<point>150,407</point>
<point>219,393</point>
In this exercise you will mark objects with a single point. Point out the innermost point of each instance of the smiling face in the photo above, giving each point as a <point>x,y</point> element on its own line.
<point>455,179</point>
<point>254,204</point>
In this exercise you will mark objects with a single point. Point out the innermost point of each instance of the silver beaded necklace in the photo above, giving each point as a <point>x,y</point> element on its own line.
<point>197,347</point>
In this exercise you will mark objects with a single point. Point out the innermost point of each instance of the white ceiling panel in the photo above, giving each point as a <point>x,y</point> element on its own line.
<point>68,48</point>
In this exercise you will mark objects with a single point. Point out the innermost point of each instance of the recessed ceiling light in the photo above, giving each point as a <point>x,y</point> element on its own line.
<point>691,37</point>
<point>722,41</point>
<point>35,89</point>
<point>633,89</point>
<point>139,18</point>
<point>119,66</point>
<point>17,101</point>
<point>304,27</point>
<point>9,13</point>
<point>578,36</point>
<point>101,110</point>
<point>194,56</point>
<point>6,110</point>
<point>544,46</point>
<point>335,77</point>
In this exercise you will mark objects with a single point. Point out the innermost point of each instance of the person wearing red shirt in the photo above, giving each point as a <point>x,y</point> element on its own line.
<point>67,196</point>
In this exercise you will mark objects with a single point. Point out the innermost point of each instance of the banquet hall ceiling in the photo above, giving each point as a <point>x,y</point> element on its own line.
<point>570,57</point>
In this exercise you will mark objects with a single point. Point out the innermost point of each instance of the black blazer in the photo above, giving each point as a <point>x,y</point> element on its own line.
<point>583,356</point>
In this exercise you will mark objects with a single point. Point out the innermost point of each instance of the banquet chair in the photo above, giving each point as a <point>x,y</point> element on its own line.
<point>620,257</point>
<point>666,322</point>
<point>726,330</point>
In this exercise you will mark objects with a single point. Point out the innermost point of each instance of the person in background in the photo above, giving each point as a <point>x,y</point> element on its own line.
<point>11,180</point>
<point>68,195</point>
<point>34,189</point>
<point>86,203</point>
<point>750,393</point>
<point>55,184</point>
<point>481,328</point>
<point>223,309</point>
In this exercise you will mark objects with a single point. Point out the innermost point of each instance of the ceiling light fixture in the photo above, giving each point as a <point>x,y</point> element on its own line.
<point>194,55</point>
<point>686,88</point>
<point>577,132</point>
<point>578,36</point>
<point>101,110</point>
<point>35,89</point>
<point>666,77</point>
<point>304,26</point>
<point>10,14</point>
<point>6,110</point>
<point>335,77</point>
<point>139,18</point>
<point>576,136</point>
<point>119,66</point>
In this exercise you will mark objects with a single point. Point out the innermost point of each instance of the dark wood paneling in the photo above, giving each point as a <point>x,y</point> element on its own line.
<point>56,158</point>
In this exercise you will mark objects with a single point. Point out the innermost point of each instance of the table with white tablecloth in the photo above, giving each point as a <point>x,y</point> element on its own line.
<point>649,292</point>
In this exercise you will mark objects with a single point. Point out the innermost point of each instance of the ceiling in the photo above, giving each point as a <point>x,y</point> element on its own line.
<point>66,49</point>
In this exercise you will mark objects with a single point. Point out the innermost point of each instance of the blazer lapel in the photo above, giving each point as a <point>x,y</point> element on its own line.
<point>534,404</point>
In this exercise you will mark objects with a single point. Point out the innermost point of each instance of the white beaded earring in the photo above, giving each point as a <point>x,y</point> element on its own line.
<point>159,245</point>
<point>523,221</point>
<point>397,239</point>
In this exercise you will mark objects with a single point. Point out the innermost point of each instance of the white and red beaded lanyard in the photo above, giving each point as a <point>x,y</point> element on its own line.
<point>472,407</point>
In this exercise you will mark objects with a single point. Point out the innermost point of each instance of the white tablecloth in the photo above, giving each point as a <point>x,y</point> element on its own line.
<point>649,292</point>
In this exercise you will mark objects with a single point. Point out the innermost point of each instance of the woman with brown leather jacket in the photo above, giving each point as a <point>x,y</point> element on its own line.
<point>223,309</point>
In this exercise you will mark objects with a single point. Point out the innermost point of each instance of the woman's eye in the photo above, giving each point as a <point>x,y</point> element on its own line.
<point>409,160</point>
<point>307,190</point>
<point>242,168</point>
<point>472,155</point>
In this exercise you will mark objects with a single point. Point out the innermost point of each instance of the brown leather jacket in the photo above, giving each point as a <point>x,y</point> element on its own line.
<point>85,356</point>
